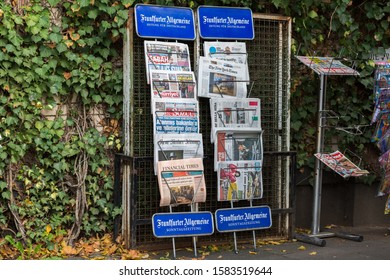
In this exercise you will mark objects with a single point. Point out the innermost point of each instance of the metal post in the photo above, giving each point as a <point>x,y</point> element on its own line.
<point>254,233</point>
<point>318,165</point>
<point>173,239</point>
<point>234,233</point>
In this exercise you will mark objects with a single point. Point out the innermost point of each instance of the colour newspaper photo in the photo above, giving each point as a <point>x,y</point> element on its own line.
<point>181,181</point>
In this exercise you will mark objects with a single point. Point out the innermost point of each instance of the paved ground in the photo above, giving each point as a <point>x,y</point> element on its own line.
<point>374,246</point>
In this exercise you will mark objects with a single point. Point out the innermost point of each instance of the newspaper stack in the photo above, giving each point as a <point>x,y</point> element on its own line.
<point>174,105</point>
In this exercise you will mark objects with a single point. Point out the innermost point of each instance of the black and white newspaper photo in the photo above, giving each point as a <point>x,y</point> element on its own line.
<point>177,146</point>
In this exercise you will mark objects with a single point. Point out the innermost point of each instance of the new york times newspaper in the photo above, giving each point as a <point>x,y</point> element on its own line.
<point>166,56</point>
<point>234,113</point>
<point>227,51</point>
<point>218,78</point>
<point>240,180</point>
<point>177,146</point>
<point>181,181</point>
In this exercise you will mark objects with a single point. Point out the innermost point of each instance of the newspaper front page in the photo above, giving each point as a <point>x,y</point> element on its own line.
<point>227,51</point>
<point>166,56</point>
<point>342,165</point>
<point>218,78</point>
<point>177,146</point>
<point>234,113</point>
<point>238,146</point>
<point>181,181</point>
<point>176,116</point>
<point>240,180</point>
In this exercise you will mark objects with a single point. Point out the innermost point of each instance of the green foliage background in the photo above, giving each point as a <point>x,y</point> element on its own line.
<point>66,55</point>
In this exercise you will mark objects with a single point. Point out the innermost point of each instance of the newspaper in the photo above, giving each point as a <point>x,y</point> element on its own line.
<point>227,51</point>
<point>327,65</point>
<point>172,84</point>
<point>234,113</point>
<point>166,56</point>
<point>176,116</point>
<point>240,180</point>
<point>218,78</point>
<point>238,146</point>
<point>177,146</point>
<point>181,181</point>
<point>339,163</point>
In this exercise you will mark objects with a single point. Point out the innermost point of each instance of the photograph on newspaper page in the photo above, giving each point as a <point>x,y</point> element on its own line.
<point>238,146</point>
<point>227,51</point>
<point>240,180</point>
<point>218,78</point>
<point>177,146</point>
<point>172,84</point>
<point>168,56</point>
<point>342,165</point>
<point>176,116</point>
<point>181,181</point>
<point>234,113</point>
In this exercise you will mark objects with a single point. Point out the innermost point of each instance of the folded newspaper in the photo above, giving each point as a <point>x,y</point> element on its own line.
<point>218,78</point>
<point>339,163</point>
<point>176,116</point>
<point>240,180</point>
<point>166,56</point>
<point>227,51</point>
<point>172,84</point>
<point>238,146</point>
<point>181,181</point>
<point>177,146</point>
<point>234,113</point>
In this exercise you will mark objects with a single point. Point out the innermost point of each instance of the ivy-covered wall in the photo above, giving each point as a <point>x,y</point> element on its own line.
<point>61,100</point>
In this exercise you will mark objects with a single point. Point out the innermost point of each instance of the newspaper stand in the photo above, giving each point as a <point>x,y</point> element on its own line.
<point>324,67</point>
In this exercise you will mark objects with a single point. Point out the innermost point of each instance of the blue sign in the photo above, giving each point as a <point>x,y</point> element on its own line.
<point>153,21</point>
<point>241,219</point>
<point>225,23</point>
<point>182,224</point>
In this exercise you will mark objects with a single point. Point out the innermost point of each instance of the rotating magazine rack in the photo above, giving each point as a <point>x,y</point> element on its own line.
<point>324,67</point>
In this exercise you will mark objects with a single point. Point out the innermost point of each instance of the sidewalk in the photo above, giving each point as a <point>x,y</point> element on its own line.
<point>374,246</point>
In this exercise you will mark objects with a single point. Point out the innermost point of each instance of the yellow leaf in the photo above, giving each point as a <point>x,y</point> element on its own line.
<point>313,253</point>
<point>252,253</point>
<point>69,43</point>
<point>68,250</point>
<point>284,251</point>
<point>48,229</point>
<point>302,248</point>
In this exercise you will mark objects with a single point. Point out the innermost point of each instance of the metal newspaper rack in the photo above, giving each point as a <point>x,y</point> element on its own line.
<point>324,67</point>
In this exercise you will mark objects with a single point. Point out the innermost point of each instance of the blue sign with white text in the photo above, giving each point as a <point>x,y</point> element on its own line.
<point>152,21</point>
<point>182,224</point>
<point>241,219</point>
<point>225,23</point>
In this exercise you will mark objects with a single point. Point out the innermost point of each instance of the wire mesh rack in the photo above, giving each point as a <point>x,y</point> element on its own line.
<point>269,66</point>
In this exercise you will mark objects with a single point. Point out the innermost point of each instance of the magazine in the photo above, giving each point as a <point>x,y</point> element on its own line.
<point>238,146</point>
<point>326,65</point>
<point>218,78</point>
<point>181,181</point>
<point>177,146</point>
<point>234,113</point>
<point>172,84</point>
<point>339,163</point>
<point>176,116</point>
<point>166,56</point>
<point>240,180</point>
<point>227,51</point>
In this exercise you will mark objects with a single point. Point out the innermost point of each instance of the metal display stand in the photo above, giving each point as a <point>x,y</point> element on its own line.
<point>324,67</point>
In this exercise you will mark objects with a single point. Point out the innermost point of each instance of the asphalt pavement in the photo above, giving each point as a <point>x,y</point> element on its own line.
<point>371,243</point>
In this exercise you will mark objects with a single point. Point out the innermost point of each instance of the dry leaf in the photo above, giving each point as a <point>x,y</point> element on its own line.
<point>68,250</point>
<point>284,251</point>
<point>302,248</point>
<point>313,253</point>
<point>252,253</point>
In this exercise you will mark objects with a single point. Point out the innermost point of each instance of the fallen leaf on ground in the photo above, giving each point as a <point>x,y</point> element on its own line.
<point>302,248</point>
<point>313,253</point>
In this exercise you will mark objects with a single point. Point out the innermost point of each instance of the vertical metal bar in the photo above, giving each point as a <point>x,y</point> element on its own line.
<point>234,233</point>
<point>194,237</point>
<point>253,233</point>
<point>318,166</point>
<point>117,202</point>
<point>173,239</point>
